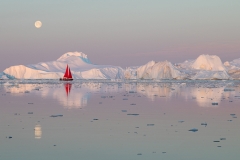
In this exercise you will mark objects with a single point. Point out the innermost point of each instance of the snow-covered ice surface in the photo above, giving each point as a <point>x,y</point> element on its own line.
<point>205,67</point>
<point>130,119</point>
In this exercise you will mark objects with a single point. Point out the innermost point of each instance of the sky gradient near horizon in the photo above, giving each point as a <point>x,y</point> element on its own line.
<point>123,33</point>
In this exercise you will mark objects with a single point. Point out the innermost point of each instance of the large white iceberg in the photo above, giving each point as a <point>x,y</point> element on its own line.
<point>204,67</point>
<point>208,62</point>
<point>158,70</point>
<point>80,65</point>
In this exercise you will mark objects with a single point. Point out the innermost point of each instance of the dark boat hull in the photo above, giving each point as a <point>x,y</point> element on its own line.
<point>65,79</point>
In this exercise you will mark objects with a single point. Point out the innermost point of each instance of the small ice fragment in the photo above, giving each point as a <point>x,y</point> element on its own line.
<point>222,139</point>
<point>133,114</point>
<point>216,141</point>
<point>124,110</point>
<point>228,89</point>
<point>215,103</point>
<point>232,114</point>
<point>57,115</point>
<point>204,124</point>
<point>193,130</point>
<point>9,137</point>
<point>164,152</point>
<point>150,124</point>
<point>131,92</point>
<point>30,112</point>
<point>125,99</point>
<point>139,154</point>
<point>219,146</point>
<point>26,92</point>
<point>95,119</point>
<point>133,104</point>
<point>180,121</point>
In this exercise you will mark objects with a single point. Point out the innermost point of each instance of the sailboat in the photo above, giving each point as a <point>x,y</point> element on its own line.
<point>67,76</point>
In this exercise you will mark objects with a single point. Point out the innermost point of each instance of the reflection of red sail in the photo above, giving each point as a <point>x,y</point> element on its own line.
<point>68,88</point>
<point>68,75</point>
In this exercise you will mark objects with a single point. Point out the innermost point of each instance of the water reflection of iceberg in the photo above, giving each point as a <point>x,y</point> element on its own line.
<point>77,94</point>
<point>38,131</point>
<point>206,96</point>
<point>155,90</point>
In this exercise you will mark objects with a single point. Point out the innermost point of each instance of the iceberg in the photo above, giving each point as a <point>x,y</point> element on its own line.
<point>158,70</point>
<point>233,68</point>
<point>211,75</point>
<point>205,67</point>
<point>208,62</point>
<point>80,65</point>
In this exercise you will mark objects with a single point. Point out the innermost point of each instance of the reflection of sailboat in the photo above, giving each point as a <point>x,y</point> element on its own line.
<point>67,76</point>
<point>68,87</point>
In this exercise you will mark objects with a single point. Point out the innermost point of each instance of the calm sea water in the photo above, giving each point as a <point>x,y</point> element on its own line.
<point>119,121</point>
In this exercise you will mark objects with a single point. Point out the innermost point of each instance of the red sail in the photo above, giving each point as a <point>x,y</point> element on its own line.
<point>68,73</point>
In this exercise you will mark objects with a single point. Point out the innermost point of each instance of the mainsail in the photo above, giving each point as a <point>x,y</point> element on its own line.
<point>68,74</point>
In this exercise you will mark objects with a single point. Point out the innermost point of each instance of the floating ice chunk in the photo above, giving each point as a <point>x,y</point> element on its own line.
<point>229,89</point>
<point>150,124</point>
<point>214,103</point>
<point>133,114</point>
<point>181,121</point>
<point>57,115</point>
<point>193,130</point>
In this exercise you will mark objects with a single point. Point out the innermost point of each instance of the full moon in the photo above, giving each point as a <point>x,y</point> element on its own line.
<point>38,24</point>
